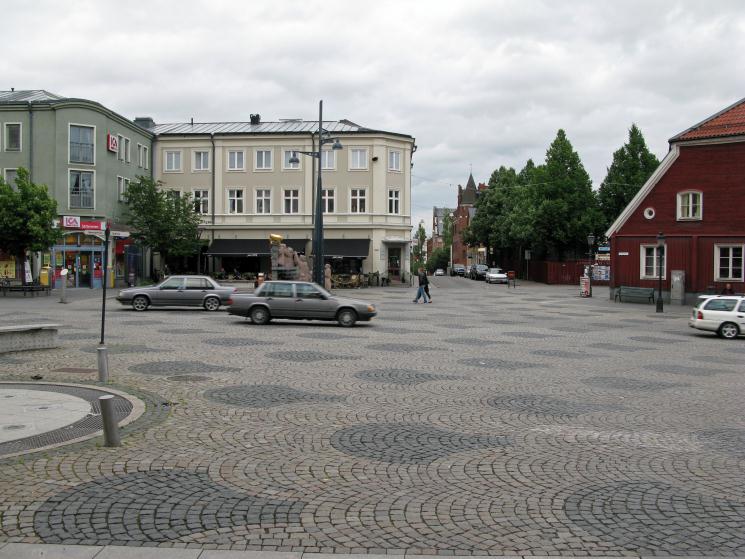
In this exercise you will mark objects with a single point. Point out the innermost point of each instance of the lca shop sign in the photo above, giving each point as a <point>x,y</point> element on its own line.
<point>74,222</point>
<point>112,142</point>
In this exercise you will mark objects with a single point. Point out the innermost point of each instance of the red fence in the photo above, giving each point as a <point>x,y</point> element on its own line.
<point>561,273</point>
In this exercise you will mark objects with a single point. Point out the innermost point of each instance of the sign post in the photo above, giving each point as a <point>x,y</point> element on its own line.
<point>103,358</point>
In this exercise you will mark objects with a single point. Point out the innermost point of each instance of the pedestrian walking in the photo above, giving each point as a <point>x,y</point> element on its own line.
<point>426,287</point>
<point>423,281</point>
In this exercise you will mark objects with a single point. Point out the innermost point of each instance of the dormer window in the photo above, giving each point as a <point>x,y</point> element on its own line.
<point>690,205</point>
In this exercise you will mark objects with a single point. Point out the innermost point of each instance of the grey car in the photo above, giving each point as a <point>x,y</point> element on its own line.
<point>178,291</point>
<point>299,300</point>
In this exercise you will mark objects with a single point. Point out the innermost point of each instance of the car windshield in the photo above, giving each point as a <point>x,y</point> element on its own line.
<point>481,267</point>
<point>495,270</point>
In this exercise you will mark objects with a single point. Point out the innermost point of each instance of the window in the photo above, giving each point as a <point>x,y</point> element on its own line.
<point>10,176</point>
<point>173,284</point>
<point>277,290</point>
<point>81,189</point>
<point>201,161</point>
<point>139,155</point>
<point>236,160</point>
<point>721,305</point>
<point>120,149</point>
<point>263,201</point>
<point>394,161</point>
<point>358,159</point>
<point>292,200</point>
<point>126,151</point>
<point>12,136</point>
<point>173,161</point>
<point>652,257</point>
<point>235,200</point>
<point>393,201</point>
<point>728,262</point>
<point>81,144</point>
<point>690,205</point>
<point>146,157</point>
<point>328,160</point>
<point>287,157</point>
<point>328,200</point>
<point>142,156</point>
<point>263,159</point>
<point>306,291</point>
<point>358,201</point>
<point>122,184</point>
<point>173,194</point>
<point>202,201</point>
<point>197,284</point>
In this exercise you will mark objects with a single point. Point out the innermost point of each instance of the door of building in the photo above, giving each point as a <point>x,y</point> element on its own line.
<point>394,263</point>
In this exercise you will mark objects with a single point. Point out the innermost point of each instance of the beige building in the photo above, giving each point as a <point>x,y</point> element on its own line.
<point>243,181</point>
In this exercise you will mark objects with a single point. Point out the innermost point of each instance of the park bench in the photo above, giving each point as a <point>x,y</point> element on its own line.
<point>634,293</point>
<point>8,286</point>
<point>22,337</point>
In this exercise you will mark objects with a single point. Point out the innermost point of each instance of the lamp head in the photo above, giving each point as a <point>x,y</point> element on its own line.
<point>336,144</point>
<point>660,239</point>
<point>590,239</point>
<point>294,160</point>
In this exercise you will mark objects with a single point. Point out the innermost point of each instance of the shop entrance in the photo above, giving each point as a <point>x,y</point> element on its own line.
<point>394,263</point>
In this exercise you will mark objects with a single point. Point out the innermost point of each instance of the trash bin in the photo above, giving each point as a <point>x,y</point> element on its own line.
<point>45,275</point>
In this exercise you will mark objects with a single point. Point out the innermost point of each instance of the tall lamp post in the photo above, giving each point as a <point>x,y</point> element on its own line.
<point>323,139</point>
<point>660,262</point>
<point>590,243</point>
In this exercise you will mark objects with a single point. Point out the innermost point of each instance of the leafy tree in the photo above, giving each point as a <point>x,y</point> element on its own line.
<point>447,228</point>
<point>438,259</point>
<point>26,217</point>
<point>161,221</point>
<point>632,165</point>
<point>421,238</point>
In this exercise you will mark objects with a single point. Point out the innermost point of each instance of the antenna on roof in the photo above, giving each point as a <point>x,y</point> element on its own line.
<point>192,121</point>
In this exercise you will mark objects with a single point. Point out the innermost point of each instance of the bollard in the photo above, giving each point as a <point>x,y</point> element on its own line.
<point>63,296</point>
<point>110,426</point>
<point>103,363</point>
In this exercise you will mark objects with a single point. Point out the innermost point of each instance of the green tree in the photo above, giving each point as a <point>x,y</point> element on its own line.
<point>418,250</point>
<point>161,221</point>
<point>447,228</point>
<point>632,165</point>
<point>438,259</point>
<point>27,213</point>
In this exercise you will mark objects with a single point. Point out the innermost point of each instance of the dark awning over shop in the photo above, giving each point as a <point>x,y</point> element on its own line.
<point>349,248</point>
<point>250,247</point>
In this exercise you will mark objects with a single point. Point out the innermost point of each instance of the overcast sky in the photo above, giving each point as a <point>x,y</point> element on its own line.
<point>481,83</point>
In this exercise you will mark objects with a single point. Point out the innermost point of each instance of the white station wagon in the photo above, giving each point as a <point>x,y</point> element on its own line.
<point>723,314</point>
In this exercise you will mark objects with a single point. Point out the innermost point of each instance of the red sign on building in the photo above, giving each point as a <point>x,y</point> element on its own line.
<point>112,143</point>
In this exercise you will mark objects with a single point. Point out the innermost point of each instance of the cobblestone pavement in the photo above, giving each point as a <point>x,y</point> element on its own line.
<point>494,421</point>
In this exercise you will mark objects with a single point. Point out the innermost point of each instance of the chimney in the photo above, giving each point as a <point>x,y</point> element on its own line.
<point>145,122</point>
<point>256,119</point>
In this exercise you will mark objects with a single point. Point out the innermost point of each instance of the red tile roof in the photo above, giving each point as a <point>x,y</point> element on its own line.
<point>728,122</point>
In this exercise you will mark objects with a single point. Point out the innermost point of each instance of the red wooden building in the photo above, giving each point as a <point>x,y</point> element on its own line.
<point>696,198</point>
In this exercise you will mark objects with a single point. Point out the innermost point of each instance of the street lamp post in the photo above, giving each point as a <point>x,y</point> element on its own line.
<point>323,139</point>
<point>590,243</point>
<point>660,261</point>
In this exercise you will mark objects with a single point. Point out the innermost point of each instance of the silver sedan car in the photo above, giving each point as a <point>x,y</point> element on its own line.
<point>178,291</point>
<point>299,300</point>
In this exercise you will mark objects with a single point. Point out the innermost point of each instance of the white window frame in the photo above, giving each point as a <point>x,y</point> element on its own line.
<point>256,159</point>
<point>241,198</point>
<point>399,167</point>
<point>146,157</point>
<point>679,205</point>
<point>122,184</point>
<point>717,256</point>
<point>174,192</point>
<point>291,198</point>
<point>93,183</point>
<point>20,138</point>
<point>328,194</point>
<point>120,147</point>
<point>180,168</point>
<point>203,199</point>
<point>643,261</point>
<point>352,151</point>
<point>243,162</point>
<point>395,199</point>
<point>69,161</point>
<point>141,156</point>
<point>194,168</point>
<point>5,175</point>
<point>291,166</point>
<point>355,197</point>
<point>327,154</point>
<point>127,150</point>
<point>264,199</point>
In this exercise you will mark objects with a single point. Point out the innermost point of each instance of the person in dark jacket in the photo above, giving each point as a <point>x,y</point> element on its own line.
<point>423,282</point>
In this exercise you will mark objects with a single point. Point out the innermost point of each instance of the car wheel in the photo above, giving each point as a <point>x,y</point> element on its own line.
<point>211,303</point>
<point>260,315</point>
<point>346,317</point>
<point>729,331</point>
<point>140,303</point>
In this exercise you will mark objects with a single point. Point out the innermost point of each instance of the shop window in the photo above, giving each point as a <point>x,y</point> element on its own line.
<point>728,263</point>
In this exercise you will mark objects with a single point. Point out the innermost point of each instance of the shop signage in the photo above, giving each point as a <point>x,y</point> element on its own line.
<point>623,254</point>
<point>8,268</point>
<point>74,222</point>
<point>71,221</point>
<point>112,143</point>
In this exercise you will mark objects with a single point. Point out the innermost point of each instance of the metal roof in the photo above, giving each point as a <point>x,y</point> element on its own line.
<point>29,95</point>
<point>281,127</point>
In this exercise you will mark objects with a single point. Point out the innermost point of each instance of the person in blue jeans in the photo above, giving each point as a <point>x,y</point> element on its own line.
<point>423,282</point>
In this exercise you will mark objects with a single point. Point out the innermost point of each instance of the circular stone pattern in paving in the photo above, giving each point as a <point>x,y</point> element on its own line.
<point>176,367</point>
<point>494,363</point>
<point>400,376</point>
<point>265,396</point>
<point>621,383</point>
<point>546,405</point>
<point>34,416</point>
<point>155,506</point>
<point>234,342</point>
<point>646,516</point>
<point>303,356</point>
<point>401,443</point>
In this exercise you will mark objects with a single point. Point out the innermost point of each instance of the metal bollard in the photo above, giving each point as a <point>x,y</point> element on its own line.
<point>110,426</point>
<point>63,295</point>
<point>103,363</point>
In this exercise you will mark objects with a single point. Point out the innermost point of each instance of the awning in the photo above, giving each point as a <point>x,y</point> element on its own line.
<point>349,248</point>
<point>250,247</point>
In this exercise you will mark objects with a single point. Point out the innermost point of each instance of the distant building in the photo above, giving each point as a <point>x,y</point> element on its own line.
<point>86,154</point>
<point>694,199</point>
<point>438,229</point>
<point>462,216</point>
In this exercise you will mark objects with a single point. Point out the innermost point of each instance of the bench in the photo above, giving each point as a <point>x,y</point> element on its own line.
<point>22,337</point>
<point>634,293</point>
<point>33,288</point>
